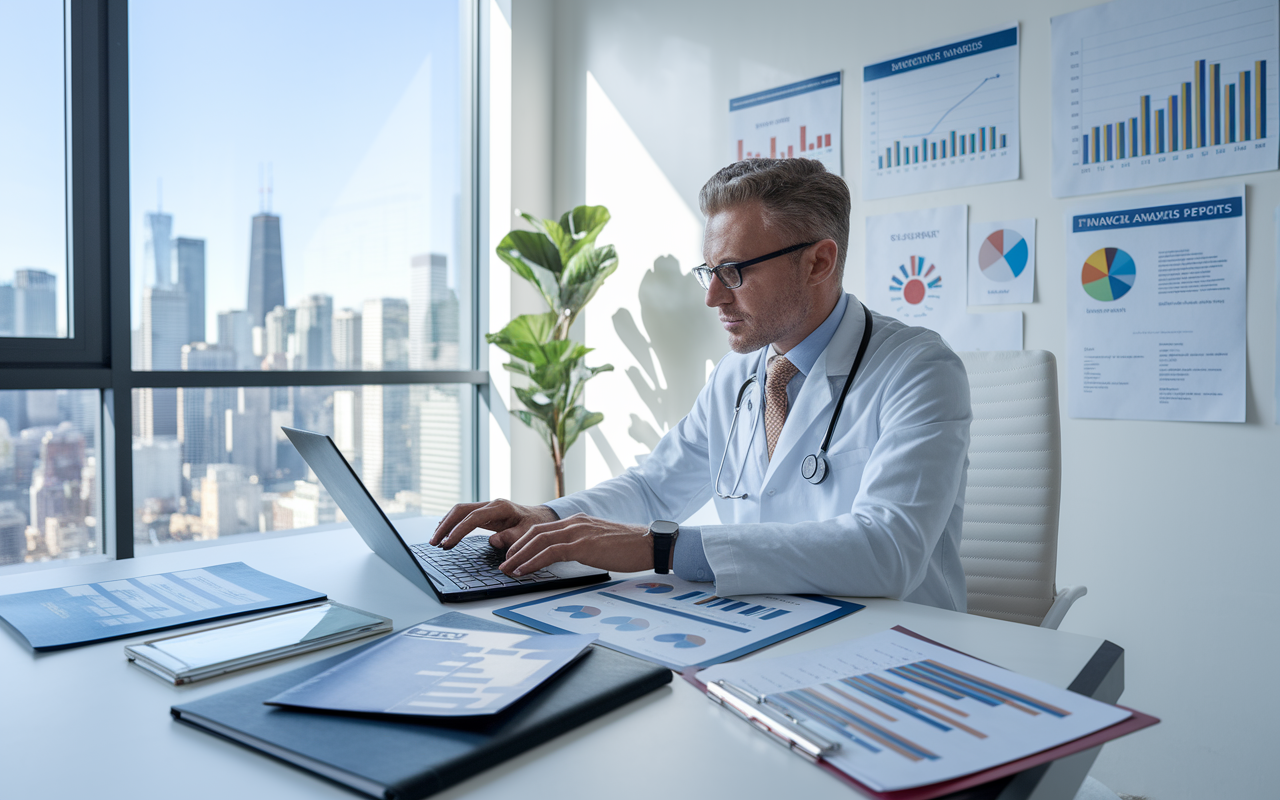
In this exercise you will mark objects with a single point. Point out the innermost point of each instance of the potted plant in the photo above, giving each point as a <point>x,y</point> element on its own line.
<point>560,259</point>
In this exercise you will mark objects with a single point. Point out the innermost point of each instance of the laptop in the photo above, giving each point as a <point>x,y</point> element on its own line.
<point>467,572</point>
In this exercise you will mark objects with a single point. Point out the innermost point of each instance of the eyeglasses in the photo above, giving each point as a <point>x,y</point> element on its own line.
<point>730,274</point>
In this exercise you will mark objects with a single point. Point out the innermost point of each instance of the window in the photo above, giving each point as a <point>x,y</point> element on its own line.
<point>270,222</point>
<point>33,217</point>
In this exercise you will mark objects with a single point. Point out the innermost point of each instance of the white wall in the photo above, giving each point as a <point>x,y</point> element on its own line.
<point>1172,526</point>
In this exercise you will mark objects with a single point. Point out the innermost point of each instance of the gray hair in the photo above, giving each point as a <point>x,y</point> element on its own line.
<point>798,194</point>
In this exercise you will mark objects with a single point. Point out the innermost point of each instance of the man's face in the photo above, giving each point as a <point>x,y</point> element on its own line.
<point>773,301</point>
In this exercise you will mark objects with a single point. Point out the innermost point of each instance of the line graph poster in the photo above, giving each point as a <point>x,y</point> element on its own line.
<point>1156,308</point>
<point>942,117</point>
<point>1152,93</point>
<point>801,119</point>
<point>916,268</point>
<point>1002,262</point>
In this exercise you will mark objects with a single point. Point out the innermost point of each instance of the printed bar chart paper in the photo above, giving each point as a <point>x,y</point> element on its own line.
<point>942,117</point>
<point>801,119</point>
<point>677,623</point>
<point>1152,93</point>
<point>910,713</point>
<point>916,271</point>
<point>1002,262</point>
<point>1156,308</point>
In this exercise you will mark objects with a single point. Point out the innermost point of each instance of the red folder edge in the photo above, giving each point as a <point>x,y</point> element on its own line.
<point>930,791</point>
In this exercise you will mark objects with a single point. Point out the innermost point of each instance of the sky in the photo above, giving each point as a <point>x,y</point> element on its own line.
<point>33,172</point>
<point>348,106</point>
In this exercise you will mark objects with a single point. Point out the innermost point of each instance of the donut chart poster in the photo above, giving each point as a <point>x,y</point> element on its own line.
<point>1156,307</point>
<point>1002,262</point>
<point>917,271</point>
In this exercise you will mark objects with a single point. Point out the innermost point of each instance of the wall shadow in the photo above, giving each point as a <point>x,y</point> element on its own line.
<point>683,335</point>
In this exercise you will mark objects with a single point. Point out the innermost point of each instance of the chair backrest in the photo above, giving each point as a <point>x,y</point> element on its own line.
<point>1010,545</point>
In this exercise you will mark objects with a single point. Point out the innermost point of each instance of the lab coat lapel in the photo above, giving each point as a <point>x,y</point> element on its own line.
<point>808,417</point>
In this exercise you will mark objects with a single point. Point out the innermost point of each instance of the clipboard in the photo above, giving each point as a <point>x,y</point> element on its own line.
<point>1135,722</point>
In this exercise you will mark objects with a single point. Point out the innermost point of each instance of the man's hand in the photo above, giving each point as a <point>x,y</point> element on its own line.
<point>503,516</point>
<point>588,540</point>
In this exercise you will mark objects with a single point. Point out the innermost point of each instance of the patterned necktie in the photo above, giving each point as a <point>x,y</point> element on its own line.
<point>779,373</point>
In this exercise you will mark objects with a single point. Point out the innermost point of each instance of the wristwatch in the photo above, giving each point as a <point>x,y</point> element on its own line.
<point>664,535</point>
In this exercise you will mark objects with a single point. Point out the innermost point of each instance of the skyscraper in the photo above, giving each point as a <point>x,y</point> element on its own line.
<point>35,304</point>
<point>13,539</point>
<point>313,326</point>
<point>433,314</point>
<point>159,252</point>
<point>347,329</point>
<point>387,438</point>
<point>235,333</point>
<point>191,280</point>
<point>164,330</point>
<point>8,321</point>
<point>266,268</point>
<point>202,411</point>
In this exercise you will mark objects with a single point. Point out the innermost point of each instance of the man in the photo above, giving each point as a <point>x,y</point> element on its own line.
<point>885,521</point>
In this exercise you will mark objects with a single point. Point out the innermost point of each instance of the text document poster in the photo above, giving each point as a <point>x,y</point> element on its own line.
<point>1151,93</point>
<point>677,623</point>
<point>942,117</point>
<point>801,119</point>
<point>1156,308</point>
<point>1002,262</point>
<point>916,271</point>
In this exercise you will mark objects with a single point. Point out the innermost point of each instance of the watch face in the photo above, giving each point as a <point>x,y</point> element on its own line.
<point>662,527</point>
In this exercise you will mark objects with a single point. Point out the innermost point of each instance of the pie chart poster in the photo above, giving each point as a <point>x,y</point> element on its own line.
<point>1156,308</point>
<point>916,270</point>
<point>1002,262</point>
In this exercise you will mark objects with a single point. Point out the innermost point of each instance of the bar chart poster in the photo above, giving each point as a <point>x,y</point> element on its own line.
<point>801,119</point>
<point>942,117</point>
<point>1156,307</point>
<point>1153,93</point>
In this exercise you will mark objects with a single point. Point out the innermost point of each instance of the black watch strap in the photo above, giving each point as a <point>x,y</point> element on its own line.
<point>664,535</point>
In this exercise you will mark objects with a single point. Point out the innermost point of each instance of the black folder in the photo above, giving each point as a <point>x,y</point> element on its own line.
<point>402,759</point>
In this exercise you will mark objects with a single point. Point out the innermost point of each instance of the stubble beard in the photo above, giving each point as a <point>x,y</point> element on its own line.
<point>775,323</point>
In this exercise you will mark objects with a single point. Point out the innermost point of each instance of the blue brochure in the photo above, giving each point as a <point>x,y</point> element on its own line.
<point>52,619</point>
<point>434,670</point>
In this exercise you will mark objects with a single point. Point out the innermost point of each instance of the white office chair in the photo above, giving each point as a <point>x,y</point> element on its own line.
<point>1010,544</point>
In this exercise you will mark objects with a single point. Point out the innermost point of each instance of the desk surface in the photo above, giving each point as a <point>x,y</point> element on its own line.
<point>85,723</point>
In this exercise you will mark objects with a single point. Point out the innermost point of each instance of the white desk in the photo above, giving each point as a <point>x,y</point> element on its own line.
<point>83,723</point>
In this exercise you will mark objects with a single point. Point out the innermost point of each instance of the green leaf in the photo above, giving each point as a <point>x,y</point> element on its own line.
<point>534,257</point>
<point>576,421</point>
<point>524,337</point>
<point>584,275</point>
<point>583,224</point>
<point>538,425</point>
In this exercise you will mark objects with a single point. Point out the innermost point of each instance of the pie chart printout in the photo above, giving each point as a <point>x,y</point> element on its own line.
<point>579,612</point>
<point>1108,274</point>
<point>1003,255</point>
<point>681,640</point>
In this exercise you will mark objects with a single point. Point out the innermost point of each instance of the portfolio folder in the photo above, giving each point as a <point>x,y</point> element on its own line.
<point>393,758</point>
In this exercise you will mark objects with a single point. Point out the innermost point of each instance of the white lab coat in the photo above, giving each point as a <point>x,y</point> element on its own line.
<point>885,523</point>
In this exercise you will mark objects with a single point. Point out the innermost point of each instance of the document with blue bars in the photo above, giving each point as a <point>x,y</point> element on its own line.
<point>677,623</point>
<point>435,671</point>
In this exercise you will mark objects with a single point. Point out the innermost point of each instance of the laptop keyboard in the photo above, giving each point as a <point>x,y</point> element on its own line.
<point>473,564</point>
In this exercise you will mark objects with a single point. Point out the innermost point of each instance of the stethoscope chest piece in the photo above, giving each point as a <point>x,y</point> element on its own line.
<point>814,468</point>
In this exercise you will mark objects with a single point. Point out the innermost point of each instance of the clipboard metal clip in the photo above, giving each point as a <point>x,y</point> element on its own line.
<point>785,729</point>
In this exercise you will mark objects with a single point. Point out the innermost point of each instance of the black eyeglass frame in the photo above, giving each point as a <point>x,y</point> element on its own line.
<point>703,273</point>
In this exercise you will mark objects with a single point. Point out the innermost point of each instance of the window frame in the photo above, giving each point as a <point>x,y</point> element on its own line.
<point>97,354</point>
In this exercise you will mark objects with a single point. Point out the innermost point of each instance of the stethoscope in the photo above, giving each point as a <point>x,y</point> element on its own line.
<point>814,468</point>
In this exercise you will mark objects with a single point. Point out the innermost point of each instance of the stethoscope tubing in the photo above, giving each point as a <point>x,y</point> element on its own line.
<point>814,468</point>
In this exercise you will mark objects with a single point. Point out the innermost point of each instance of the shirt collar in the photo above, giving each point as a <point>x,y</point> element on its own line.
<point>806,353</point>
